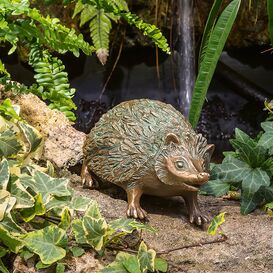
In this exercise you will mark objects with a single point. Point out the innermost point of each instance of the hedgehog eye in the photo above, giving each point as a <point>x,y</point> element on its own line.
<point>179,164</point>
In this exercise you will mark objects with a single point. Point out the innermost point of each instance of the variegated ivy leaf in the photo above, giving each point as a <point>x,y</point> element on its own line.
<point>7,202</point>
<point>250,186</point>
<point>4,174</point>
<point>79,232</point>
<point>9,224</point>
<point>48,243</point>
<point>32,136</point>
<point>216,222</point>
<point>146,258</point>
<point>12,242</point>
<point>9,144</point>
<point>93,210</point>
<point>46,185</point>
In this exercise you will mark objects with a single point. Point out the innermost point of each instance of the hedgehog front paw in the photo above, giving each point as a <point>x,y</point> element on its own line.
<point>136,211</point>
<point>195,217</point>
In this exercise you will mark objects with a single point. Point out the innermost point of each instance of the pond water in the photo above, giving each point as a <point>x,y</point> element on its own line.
<point>136,76</point>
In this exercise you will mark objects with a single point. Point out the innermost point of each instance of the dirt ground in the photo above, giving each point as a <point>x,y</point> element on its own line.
<point>248,248</point>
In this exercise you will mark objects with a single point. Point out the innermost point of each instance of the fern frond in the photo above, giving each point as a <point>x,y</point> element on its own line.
<point>52,81</point>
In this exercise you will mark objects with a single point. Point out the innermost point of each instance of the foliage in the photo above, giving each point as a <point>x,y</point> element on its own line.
<point>249,169</point>
<point>269,107</point>
<point>100,13</point>
<point>37,210</point>
<point>216,34</point>
<point>143,262</point>
<point>52,81</point>
<point>216,222</point>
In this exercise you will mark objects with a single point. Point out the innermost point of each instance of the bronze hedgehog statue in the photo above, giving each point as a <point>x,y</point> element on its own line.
<point>146,146</point>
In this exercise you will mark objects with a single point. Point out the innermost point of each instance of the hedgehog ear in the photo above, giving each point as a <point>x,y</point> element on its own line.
<point>172,138</point>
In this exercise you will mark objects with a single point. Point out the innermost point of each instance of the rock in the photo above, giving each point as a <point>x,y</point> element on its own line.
<point>63,144</point>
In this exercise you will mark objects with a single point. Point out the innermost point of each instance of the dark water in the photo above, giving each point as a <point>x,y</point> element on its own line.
<point>136,77</point>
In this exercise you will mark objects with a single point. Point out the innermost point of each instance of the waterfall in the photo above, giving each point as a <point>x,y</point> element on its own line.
<point>186,54</point>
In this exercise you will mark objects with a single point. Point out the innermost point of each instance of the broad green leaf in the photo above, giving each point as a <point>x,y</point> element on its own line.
<point>38,209</point>
<point>7,109</point>
<point>40,265</point>
<point>9,224</point>
<point>216,222</point>
<point>146,258</point>
<point>3,251</point>
<point>77,251</point>
<point>32,136</point>
<point>13,243</point>
<point>129,225</point>
<point>65,220</point>
<point>25,255</point>
<point>250,186</point>
<point>4,174</point>
<point>93,211</point>
<point>267,192</point>
<point>215,187</point>
<point>23,198</point>
<point>48,243</point>
<point>9,144</point>
<point>114,267</point>
<point>270,19</point>
<point>78,231</point>
<point>47,186</point>
<point>266,140</point>
<point>161,265</point>
<point>267,126</point>
<point>214,49</point>
<point>95,231</point>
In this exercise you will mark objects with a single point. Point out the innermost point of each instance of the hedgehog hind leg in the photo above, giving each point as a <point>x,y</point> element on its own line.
<point>87,180</point>
<point>133,198</point>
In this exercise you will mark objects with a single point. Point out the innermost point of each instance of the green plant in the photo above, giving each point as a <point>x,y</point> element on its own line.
<point>100,13</point>
<point>37,210</point>
<point>249,168</point>
<point>215,35</point>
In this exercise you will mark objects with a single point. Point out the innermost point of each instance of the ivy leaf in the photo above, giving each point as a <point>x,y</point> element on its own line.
<point>79,232</point>
<point>23,198</point>
<point>8,143</point>
<point>114,267</point>
<point>48,243</point>
<point>131,264</point>
<point>13,243</point>
<point>93,211</point>
<point>4,174</point>
<point>129,225</point>
<point>161,265</point>
<point>9,224</point>
<point>95,231</point>
<point>46,185</point>
<point>266,140</point>
<point>77,251</point>
<point>7,202</point>
<point>250,186</point>
<point>60,268</point>
<point>38,209</point>
<point>65,219</point>
<point>216,222</point>
<point>215,187</point>
<point>32,136</point>
<point>146,258</point>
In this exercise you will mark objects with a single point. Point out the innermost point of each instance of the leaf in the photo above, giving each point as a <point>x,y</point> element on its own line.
<point>209,27</point>
<point>38,209</point>
<point>4,174</point>
<point>131,264</point>
<point>266,140</point>
<point>250,186</point>
<point>13,243</point>
<point>48,243</point>
<point>78,231</point>
<point>3,268</point>
<point>161,265</point>
<point>65,220</point>
<point>214,49</point>
<point>9,224</point>
<point>216,222</point>
<point>270,19</point>
<point>23,198</point>
<point>7,202</point>
<point>77,251</point>
<point>8,143</point>
<point>60,268</point>
<point>95,232</point>
<point>146,258</point>
<point>114,267</point>
<point>129,225</point>
<point>32,136</point>
<point>215,187</point>
<point>93,211</point>
<point>7,109</point>
<point>46,185</point>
